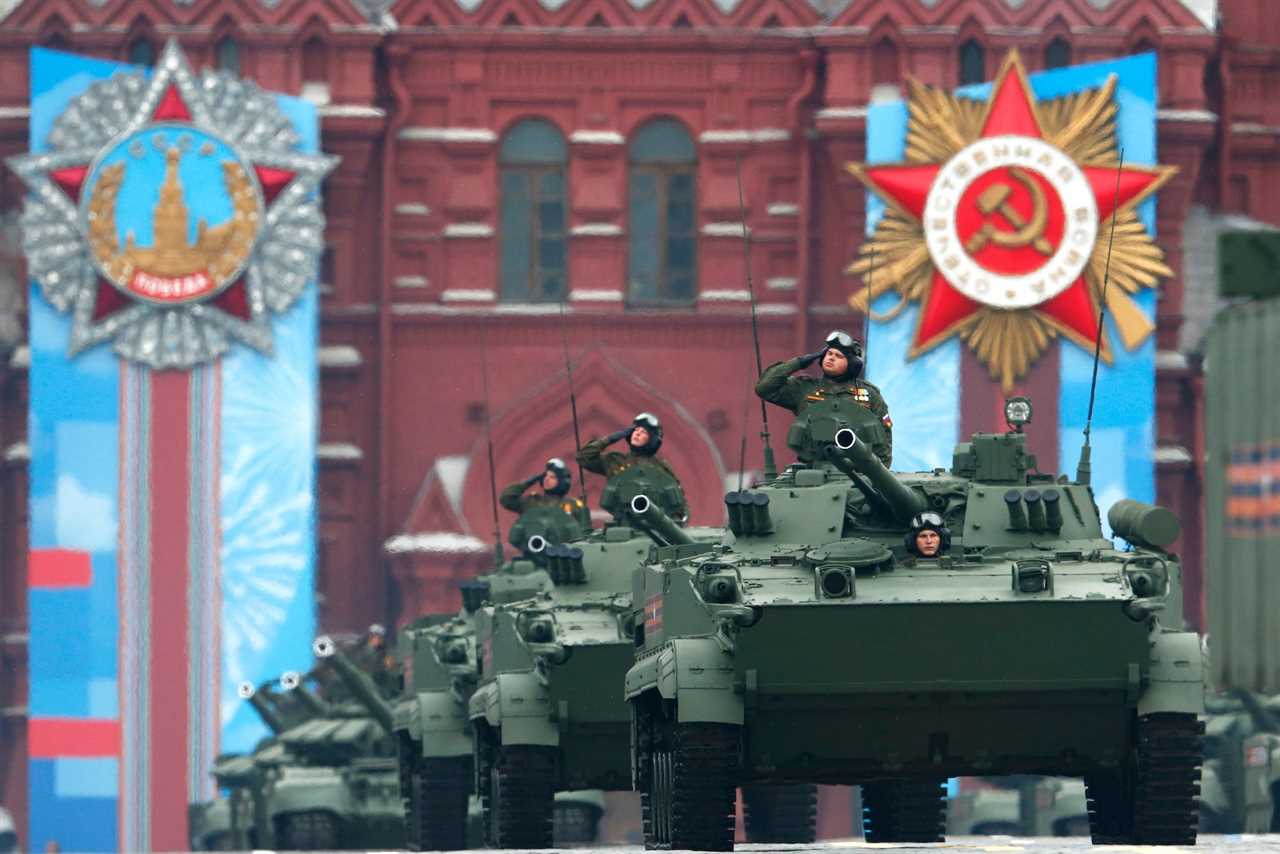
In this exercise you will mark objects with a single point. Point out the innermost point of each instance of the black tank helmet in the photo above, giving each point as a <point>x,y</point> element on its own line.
<point>650,422</point>
<point>927,521</point>
<point>564,479</point>
<point>851,347</point>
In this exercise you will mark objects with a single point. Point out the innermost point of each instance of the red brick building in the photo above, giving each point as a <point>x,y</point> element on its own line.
<point>498,155</point>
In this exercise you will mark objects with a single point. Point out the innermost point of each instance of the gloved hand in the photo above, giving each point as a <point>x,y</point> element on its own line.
<point>809,358</point>
<point>534,479</point>
<point>617,434</point>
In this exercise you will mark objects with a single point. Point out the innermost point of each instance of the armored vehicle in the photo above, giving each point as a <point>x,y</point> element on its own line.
<point>548,714</point>
<point>1240,789</point>
<point>817,648</point>
<point>433,734</point>
<point>339,787</point>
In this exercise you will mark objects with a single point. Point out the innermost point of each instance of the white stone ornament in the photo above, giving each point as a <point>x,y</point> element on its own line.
<point>173,323</point>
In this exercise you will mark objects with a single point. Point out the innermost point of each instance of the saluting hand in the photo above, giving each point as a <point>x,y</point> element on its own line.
<point>809,358</point>
<point>616,435</point>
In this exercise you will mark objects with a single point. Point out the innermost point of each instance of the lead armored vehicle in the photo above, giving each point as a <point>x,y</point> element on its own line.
<point>816,648</point>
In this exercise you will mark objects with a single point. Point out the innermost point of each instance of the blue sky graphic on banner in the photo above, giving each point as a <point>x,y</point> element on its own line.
<point>926,426</point>
<point>266,429</point>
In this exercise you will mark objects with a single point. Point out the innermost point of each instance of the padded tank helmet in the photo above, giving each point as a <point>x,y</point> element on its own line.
<point>564,479</point>
<point>927,521</point>
<point>851,347</point>
<point>649,422</point>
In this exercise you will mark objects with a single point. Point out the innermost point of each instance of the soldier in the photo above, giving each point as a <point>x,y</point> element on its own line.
<point>928,537</point>
<point>641,463</point>
<point>841,357</point>
<point>555,480</point>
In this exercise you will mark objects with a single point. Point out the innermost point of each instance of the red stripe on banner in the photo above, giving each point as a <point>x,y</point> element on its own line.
<point>54,738</point>
<point>170,482</point>
<point>58,568</point>
<point>982,403</point>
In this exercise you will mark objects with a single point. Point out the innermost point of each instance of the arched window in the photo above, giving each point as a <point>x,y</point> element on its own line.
<point>315,61</point>
<point>142,53</point>
<point>1143,45</point>
<point>532,220</point>
<point>227,55</point>
<point>1057,54</point>
<point>973,62</point>
<point>663,240</point>
<point>884,63</point>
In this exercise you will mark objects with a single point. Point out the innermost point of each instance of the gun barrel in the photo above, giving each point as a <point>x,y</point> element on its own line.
<point>901,500</point>
<point>357,682</point>
<point>269,715</point>
<point>658,525</point>
<point>306,696</point>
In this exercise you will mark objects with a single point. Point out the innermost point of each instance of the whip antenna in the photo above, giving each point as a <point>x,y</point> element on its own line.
<point>573,404</point>
<point>866,319</point>
<point>742,450</point>
<point>488,438</point>
<point>1084,469</point>
<point>770,469</point>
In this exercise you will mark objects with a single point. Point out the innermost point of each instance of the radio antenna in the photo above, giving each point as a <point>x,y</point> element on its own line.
<point>1084,469</point>
<point>866,319</point>
<point>488,438</point>
<point>573,404</point>
<point>742,451</point>
<point>770,468</point>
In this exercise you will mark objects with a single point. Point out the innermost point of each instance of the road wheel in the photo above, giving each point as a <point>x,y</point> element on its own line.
<point>435,805</point>
<point>522,793</point>
<point>783,813</point>
<point>1154,799</point>
<point>309,831</point>
<point>904,811</point>
<point>688,779</point>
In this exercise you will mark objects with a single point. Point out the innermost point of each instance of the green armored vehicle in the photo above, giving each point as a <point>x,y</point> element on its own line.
<point>817,648</point>
<point>1240,788</point>
<point>339,787</point>
<point>548,714</point>
<point>433,734</point>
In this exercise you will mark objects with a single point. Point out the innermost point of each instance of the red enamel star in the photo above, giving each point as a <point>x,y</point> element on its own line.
<point>232,299</point>
<point>1010,223</point>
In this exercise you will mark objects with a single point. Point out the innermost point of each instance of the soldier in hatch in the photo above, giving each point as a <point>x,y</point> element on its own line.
<point>841,361</point>
<point>555,481</point>
<point>929,537</point>
<point>637,470</point>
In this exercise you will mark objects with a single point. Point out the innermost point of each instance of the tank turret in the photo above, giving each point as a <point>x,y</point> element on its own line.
<point>269,715</point>
<point>357,681</point>
<point>649,518</point>
<point>877,484</point>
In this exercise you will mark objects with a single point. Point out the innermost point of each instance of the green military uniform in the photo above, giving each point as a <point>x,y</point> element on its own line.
<point>513,498</point>
<point>797,393</point>
<point>617,466</point>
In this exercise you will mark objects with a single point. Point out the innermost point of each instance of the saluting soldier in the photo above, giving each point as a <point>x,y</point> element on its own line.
<point>555,480</point>
<point>640,465</point>
<point>841,356</point>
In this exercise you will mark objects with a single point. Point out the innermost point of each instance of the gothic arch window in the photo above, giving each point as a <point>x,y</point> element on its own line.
<point>315,61</point>
<point>973,62</point>
<point>662,228</point>
<point>142,52</point>
<point>227,55</point>
<point>532,218</point>
<point>884,63</point>
<point>1057,54</point>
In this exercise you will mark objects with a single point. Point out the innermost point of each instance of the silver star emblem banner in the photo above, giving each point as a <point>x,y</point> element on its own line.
<point>173,215</point>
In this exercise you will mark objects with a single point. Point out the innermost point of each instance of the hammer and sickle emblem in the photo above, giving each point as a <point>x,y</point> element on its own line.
<point>995,199</point>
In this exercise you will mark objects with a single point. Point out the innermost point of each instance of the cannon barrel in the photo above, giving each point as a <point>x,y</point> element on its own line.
<point>658,525</point>
<point>263,707</point>
<point>291,681</point>
<point>1143,524</point>
<point>356,680</point>
<point>857,454</point>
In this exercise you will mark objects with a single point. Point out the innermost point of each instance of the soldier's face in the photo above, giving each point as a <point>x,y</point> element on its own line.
<point>834,363</point>
<point>928,543</point>
<point>549,480</point>
<point>639,437</point>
